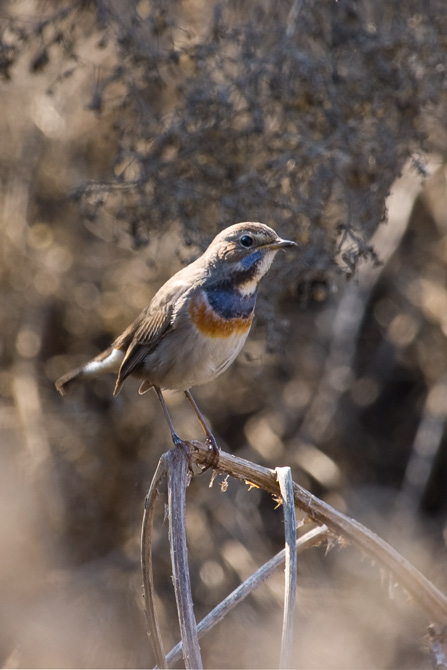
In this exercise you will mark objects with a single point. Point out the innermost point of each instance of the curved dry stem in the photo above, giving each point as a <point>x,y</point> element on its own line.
<point>430,598</point>
<point>310,539</point>
<point>284,476</point>
<point>147,566</point>
<point>177,467</point>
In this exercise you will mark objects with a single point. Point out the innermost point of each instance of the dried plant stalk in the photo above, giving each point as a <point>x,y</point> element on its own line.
<point>284,476</point>
<point>147,567</point>
<point>310,539</point>
<point>277,482</point>
<point>177,468</point>
<point>424,592</point>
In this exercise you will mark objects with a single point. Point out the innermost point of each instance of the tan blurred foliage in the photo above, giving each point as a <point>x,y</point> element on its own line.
<point>300,116</point>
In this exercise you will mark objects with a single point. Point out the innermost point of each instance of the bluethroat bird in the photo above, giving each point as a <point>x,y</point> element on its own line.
<point>195,325</point>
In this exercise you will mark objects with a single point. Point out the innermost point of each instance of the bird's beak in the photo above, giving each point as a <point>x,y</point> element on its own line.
<point>281,244</point>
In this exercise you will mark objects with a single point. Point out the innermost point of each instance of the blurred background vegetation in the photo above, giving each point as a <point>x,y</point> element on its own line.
<point>130,134</point>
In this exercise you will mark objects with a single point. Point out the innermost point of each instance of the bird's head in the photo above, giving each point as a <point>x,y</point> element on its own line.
<point>245,252</point>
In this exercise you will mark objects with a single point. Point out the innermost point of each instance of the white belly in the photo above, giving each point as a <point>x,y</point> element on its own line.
<point>198,360</point>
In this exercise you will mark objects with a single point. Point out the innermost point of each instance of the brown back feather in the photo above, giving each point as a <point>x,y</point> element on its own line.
<point>140,338</point>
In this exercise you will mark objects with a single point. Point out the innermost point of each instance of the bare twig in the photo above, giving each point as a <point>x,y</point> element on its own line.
<point>284,476</point>
<point>216,615</point>
<point>146,564</point>
<point>419,587</point>
<point>177,480</point>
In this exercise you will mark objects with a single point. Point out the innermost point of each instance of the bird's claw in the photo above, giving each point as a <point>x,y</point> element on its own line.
<point>212,458</point>
<point>185,447</point>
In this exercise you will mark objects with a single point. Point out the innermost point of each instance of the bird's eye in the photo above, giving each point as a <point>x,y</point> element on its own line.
<point>246,241</point>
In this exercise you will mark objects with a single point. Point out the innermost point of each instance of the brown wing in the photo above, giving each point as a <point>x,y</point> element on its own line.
<point>140,338</point>
<point>145,332</point>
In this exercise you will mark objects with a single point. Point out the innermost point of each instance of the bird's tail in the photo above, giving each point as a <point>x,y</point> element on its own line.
<point>108,361</point>
<point>69,380</point>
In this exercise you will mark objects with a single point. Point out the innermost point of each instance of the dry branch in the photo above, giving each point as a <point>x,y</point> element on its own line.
<point>178,477</point>
<point>146,565</point>
<point>174,465</point>
<point>309,539</point>
<point>426,594</point>
<point>285,482</point>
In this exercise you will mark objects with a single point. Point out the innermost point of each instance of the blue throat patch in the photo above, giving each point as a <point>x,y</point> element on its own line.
<point>230,304</point>
<point>251,260</point>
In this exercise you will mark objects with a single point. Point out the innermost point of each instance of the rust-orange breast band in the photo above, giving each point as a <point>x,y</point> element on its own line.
<point>211,324</point>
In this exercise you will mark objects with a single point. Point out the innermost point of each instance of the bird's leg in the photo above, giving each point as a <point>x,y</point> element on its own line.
<point>178,442</point>
<point>213,449</point>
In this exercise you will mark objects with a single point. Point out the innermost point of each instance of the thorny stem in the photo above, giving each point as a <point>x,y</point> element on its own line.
<point>426,594</point>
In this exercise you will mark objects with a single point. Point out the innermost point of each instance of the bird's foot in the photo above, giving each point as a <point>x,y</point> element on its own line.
<point>184,446</point>
<point>212,458</point>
